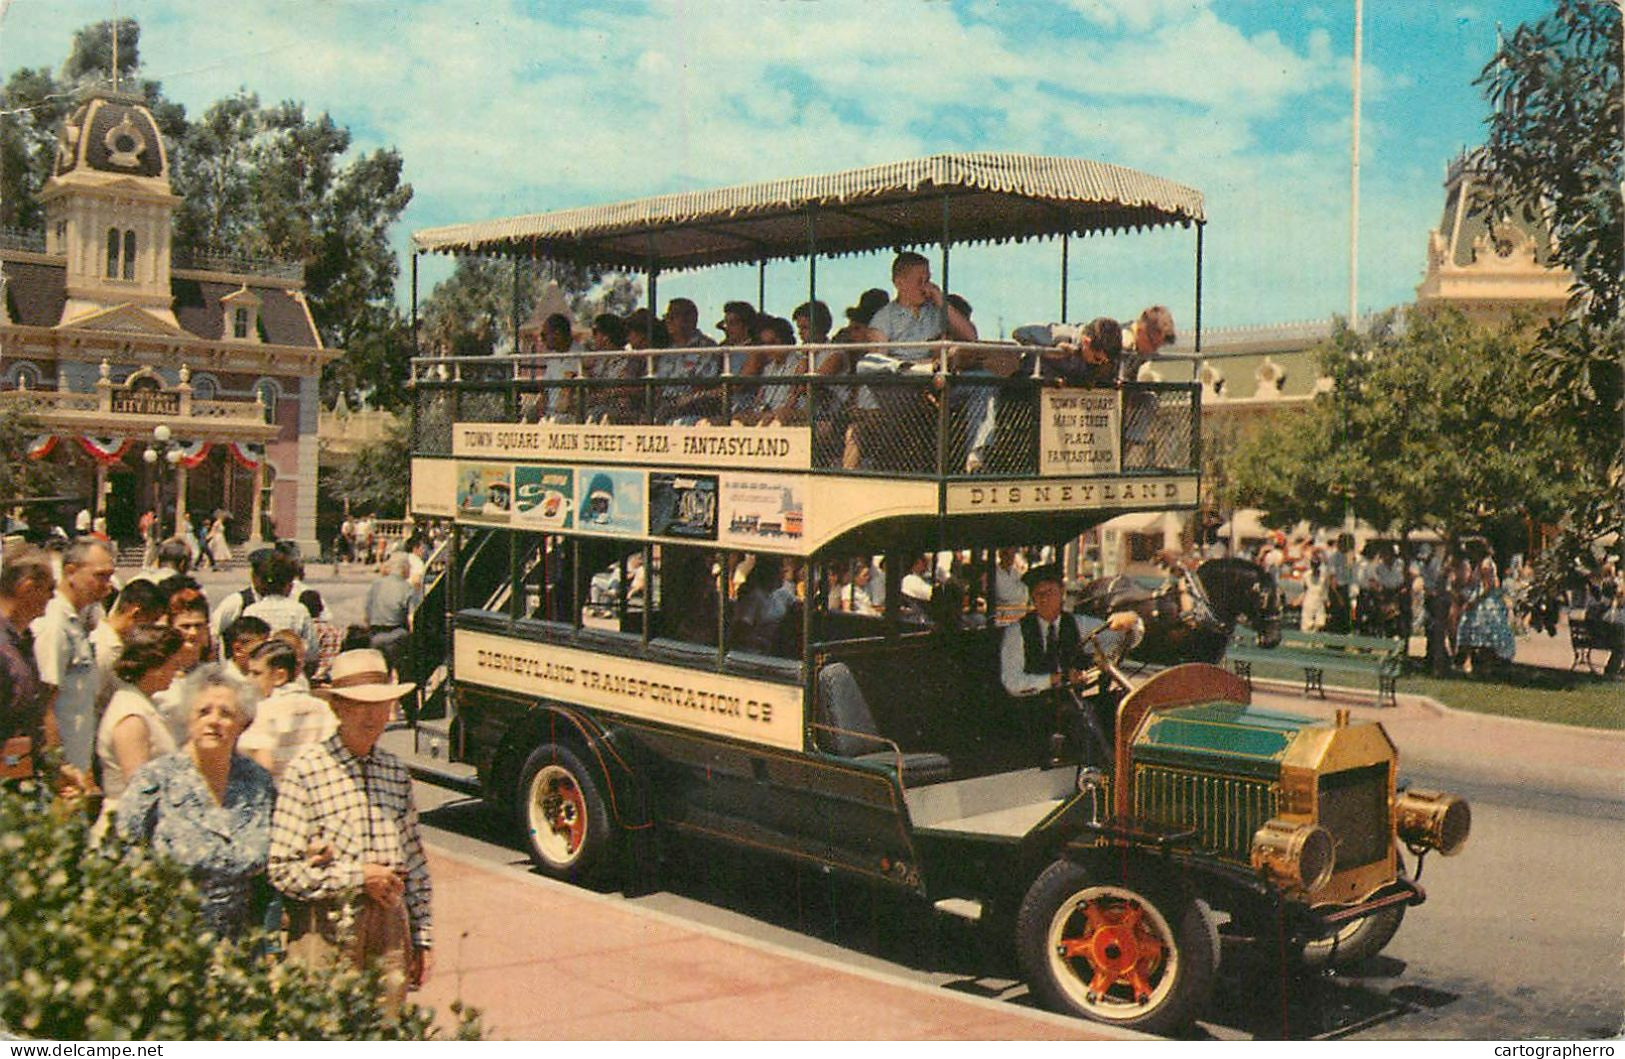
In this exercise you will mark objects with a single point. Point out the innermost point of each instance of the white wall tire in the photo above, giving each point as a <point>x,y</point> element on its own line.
<point>562,815</point>
<point>1126,951</point>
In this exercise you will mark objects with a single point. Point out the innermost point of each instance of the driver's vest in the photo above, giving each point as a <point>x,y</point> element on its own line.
<point>1061,656</point>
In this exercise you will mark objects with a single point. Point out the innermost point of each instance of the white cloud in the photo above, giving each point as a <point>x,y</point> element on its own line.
<point>503,108</point>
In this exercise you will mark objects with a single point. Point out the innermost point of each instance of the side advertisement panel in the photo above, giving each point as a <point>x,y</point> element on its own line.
<point>714,703</point>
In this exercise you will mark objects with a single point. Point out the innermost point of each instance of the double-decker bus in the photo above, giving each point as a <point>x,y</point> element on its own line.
<point>685,625</point>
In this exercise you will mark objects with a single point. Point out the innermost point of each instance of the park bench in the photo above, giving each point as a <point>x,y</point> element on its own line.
<point>1317,652</point>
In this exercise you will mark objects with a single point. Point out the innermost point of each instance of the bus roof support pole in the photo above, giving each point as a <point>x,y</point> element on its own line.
<point>1200,229</point>
<point>761,287</point>
<point>415,351</point>
<point>1066,271</point>
<point>812,255</point>
<point>515,305</point>
<point>945,237</point>
<point>652,270</point>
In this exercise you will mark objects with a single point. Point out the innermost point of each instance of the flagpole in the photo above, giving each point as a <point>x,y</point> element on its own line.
<point>1354,173</point>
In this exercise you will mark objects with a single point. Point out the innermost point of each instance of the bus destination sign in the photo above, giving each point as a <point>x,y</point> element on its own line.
<point>758,448</point>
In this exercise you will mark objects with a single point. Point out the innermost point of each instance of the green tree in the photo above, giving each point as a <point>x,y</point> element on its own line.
<point>1556,145</point>
<point>471,312</point>
<point>255,181</point>
<point>378,478</point>
<point>19,475</point>
<point>1427,425</point>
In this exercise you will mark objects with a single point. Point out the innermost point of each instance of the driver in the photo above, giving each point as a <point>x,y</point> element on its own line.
<point>1046,648</point>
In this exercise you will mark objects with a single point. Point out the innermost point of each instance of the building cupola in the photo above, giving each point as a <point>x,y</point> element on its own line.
<point>108,209</point>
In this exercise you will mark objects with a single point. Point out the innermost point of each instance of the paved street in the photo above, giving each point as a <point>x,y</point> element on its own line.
<point>1519,937</point>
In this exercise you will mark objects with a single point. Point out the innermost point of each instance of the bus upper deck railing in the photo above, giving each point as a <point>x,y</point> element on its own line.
<point>944,417</point>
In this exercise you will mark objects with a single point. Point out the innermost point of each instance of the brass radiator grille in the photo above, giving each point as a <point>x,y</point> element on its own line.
<point>1225,811</point>
<point>1354,808</point>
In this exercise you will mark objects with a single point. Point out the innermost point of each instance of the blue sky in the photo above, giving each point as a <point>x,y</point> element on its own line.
<point>514,106</point>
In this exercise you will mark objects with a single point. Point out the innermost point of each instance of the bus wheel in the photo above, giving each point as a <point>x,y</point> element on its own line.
<point>1126,951</point>
<point>562,815</point>
<point>1356,942</point>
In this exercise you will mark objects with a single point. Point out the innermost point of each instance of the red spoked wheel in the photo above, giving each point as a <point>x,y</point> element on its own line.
<point>1130,952</point>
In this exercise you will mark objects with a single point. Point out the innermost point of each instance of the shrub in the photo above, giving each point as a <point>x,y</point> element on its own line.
<point>108,942</point>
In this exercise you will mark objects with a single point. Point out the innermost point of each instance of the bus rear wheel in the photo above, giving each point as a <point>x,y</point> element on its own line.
<point>563,816</point>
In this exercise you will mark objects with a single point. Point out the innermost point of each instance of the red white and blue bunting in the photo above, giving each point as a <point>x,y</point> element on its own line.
<point>106,451</point>
<point>247,455</point>
<point>42,446</point>
<point>192,452</point>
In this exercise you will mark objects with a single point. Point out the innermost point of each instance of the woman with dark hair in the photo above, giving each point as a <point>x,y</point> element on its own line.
<point>785,403</point>
<point>187,614</point>
<point>132,731</point>
<point>206,806</point>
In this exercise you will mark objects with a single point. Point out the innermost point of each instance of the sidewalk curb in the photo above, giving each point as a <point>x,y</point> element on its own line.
<point>1438,708</point>
<point>774,949</point>
<point>1554,776</point>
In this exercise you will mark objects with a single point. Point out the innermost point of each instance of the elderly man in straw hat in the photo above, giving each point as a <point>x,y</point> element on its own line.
<point>345,847</point>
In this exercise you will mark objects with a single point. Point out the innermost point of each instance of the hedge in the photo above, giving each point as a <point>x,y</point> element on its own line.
<point>107,942</point>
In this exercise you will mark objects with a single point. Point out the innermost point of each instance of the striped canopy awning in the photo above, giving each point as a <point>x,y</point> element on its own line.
<point>957,198</point>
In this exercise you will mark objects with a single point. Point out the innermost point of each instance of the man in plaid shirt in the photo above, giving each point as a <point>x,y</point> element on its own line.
<point>345,846</point>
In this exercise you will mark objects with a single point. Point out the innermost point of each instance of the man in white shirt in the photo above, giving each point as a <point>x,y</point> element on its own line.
<point>280,611</point>
<point>1045,649</point>
<point>63,650</point>
<point>1010,596</point>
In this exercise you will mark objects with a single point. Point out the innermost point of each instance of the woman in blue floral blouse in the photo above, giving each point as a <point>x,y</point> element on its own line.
<point>207,807</point>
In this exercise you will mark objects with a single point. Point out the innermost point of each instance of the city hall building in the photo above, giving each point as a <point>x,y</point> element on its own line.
<point>152,380</point>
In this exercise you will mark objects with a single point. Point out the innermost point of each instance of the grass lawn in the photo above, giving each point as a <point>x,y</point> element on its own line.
<point>1531,692</point>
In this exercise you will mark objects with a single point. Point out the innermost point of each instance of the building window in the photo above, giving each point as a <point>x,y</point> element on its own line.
<point>61,237</point>
<point>24,376</point>
<point>204,388</point>
<point>239,323</point>
<point>268,393</point>
<point>120,254</point>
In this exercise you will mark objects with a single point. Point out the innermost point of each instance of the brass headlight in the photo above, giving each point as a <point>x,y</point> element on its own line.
<point>1432,820</point>
<point>1295,855</point>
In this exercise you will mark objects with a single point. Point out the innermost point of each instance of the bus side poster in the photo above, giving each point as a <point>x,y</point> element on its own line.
<point>683,505</point>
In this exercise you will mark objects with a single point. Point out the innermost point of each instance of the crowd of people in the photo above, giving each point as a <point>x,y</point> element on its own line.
<point>239,739</point>
<point>757,348</point>
<point>1471,612</point>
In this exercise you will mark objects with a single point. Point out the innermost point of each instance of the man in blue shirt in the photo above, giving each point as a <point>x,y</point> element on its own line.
<point>917,313</point>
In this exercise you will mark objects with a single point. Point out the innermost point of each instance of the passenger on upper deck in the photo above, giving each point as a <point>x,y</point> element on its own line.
<point>687,404</point>
<point>608,404</point>
<point>919,312</point>
<point>1077,354</point>
<point>786,403</point>
<point>738,327</point>
<point>559,404</point>
<point>1045,648</point>
<point>812,320</point>
<point>1143,339</point>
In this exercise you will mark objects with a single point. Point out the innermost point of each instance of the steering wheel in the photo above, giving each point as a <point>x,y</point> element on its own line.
<point>1110,660</point>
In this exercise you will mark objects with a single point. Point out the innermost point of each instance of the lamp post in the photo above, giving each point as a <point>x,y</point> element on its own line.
<point>160,448</point>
